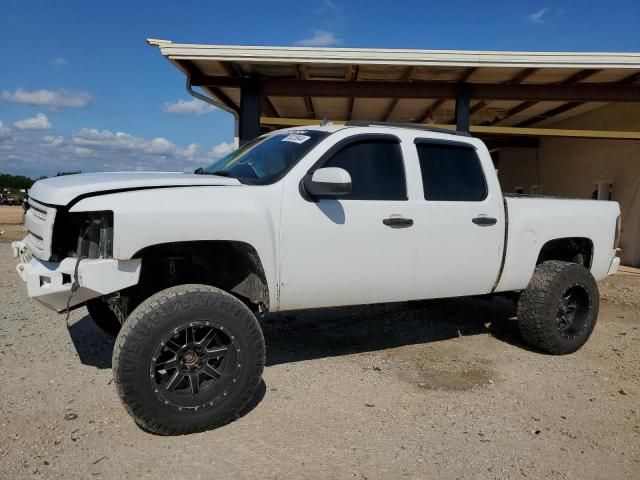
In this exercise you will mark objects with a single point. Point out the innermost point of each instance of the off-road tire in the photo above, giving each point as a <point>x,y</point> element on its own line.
<point>539,304</point>
<point>159,316</point>
<point>104,317</point>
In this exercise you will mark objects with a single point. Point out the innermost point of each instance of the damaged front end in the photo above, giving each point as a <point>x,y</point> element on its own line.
<point>67,258</point>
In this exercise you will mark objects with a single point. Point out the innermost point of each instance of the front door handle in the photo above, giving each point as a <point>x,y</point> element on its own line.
<point>396,221</point>
<point>484,221</point>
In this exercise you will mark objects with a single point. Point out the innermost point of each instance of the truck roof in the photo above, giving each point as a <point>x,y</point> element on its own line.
<point>331,127</point>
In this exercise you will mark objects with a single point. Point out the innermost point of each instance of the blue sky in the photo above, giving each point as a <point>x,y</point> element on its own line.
<point>80,88</point>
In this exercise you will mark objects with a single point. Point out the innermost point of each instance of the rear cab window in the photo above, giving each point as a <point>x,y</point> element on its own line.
<point>451,171</point>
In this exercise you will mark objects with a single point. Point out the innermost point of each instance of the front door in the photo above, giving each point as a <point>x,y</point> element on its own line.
<point>354,249</point>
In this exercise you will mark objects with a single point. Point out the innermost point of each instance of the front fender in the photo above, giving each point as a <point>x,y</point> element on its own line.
<point>151,217</point>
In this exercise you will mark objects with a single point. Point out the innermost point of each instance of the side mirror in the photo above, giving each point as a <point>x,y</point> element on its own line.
<point>327,182</point>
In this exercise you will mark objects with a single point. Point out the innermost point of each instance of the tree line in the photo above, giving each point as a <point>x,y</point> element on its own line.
<point>21,182</point>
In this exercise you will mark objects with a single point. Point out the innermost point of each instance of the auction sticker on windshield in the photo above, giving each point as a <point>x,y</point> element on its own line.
<point>296,138</point>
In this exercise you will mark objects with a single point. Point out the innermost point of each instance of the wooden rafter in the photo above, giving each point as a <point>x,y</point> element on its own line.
<point>268,106</point>
<point>406,77</point>
<point>223,97</point>
<point>567,82</point>
<point>194,72</point>
<point>630,80</point>
<point>352,76</point>
<point>584,92</point>
<point>301,71</point>
<point>516,80</point>
<point>431,111</point>
<point>231,69</point>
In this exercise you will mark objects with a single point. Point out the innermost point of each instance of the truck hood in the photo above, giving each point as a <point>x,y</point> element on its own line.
<point>64,189</point>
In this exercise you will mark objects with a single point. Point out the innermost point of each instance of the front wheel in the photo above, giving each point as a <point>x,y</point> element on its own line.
<point>188,359</point>
<point>557,312</point>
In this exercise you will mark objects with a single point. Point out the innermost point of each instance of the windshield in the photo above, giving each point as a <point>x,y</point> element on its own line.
<point>267,158</point>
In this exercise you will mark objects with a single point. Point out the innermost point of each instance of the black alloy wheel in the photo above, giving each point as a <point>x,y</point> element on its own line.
<point>195,364</point>
<point>573,311</point>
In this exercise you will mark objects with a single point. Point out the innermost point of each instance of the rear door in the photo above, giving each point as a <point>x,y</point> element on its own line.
<point>460,223</point>
<point>353,249</point>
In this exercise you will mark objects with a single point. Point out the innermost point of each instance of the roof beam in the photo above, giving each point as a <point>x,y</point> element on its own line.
<point>406,77</point>
<point>220,95</point>
<point>278,87</point>
<point>630,80</point>
<point>567,82</point>
<point>302,74</point>
<point>431,111</point>
<point>515,111</point>
<point>268,107</point>
<point>510,141</point>
<point>231,69</point>
<point>375,89</point>
<point>352,76</point>
<point>193,72</point>
<point>516,80</point>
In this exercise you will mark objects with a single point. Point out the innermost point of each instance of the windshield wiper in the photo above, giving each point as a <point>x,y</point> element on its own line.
<point>221,173</point>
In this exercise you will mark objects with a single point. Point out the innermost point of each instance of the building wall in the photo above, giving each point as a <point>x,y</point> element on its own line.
<point>569,167</point>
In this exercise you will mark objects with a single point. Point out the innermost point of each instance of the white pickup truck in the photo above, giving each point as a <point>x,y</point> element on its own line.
<point>178,265</point>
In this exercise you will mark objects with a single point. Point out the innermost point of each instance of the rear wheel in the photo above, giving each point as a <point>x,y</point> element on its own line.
<point>188,359</point>
<point>103,316</point>
<point>558,310</point>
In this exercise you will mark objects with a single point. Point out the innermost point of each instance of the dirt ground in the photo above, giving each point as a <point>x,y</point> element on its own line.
<point>441,389</point>
<point>11,227</point>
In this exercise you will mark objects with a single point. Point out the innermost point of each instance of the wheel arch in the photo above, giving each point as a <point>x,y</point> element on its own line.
<point>231,265</point>
<point>569,249</point>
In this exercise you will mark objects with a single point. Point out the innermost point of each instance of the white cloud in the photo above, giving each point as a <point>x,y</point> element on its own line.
<point>59,61</point>
<point>36,152</point>
<point>190,152</point>
<point>188,107</point>
<point>320,38</point>
<point>39,122</point>
<point>5,133</point>
<point>93,139</point>
<point>536,17</point>
<point>48,98</point>
<point>220,150</point>
<point>52,140</point>
<point>82,152</point>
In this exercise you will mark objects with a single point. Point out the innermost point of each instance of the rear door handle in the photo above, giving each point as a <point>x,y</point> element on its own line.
<point>396,221</point>
<point>484,221</point>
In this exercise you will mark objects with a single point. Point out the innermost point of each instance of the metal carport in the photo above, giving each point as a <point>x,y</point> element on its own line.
<point>481,91</point>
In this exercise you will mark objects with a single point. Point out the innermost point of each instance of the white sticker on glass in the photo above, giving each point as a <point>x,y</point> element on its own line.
<point>296,138</point>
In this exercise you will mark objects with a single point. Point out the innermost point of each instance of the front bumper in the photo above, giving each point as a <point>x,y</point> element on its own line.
<point>50,282</point>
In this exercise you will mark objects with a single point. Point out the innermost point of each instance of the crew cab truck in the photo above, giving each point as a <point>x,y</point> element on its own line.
<point>179,265</point>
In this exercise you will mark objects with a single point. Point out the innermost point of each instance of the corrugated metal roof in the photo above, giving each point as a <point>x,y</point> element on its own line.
<point>362,56</point>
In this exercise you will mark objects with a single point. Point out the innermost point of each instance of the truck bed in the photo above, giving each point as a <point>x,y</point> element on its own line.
<point>532,221</point>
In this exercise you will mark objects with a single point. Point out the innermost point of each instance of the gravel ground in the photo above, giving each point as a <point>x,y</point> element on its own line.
<point>441,389</point>
<point>11,227</point>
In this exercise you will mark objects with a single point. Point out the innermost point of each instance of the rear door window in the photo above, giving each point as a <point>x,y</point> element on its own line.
<point>451,172</point>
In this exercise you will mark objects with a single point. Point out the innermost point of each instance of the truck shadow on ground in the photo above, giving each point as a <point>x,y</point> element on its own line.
<point>311,334</point>
<point>306,335</point>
